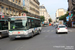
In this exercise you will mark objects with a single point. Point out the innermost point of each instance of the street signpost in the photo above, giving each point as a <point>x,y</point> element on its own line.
<point>67,18</point>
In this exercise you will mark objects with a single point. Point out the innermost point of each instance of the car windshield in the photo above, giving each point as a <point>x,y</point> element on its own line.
<point>62,26</point>
<point>18,25</point>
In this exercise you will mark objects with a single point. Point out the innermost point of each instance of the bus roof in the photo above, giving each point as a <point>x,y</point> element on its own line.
<point>24,17</point>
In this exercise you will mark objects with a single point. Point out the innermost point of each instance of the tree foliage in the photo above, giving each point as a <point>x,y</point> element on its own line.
<point>50,20</point>
<point>63,17</point>
<point>42,18</point>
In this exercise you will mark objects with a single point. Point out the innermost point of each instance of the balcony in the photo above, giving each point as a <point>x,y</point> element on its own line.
<point>34,10</point>
<point>73,2</point>
<point>37,2</point>
<point>33,15</point>
<point>6,2</point>
<point>34,4</point>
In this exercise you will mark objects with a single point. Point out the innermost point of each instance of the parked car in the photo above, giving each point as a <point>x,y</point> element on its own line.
<point>61,29</point>
<point>3,33</point>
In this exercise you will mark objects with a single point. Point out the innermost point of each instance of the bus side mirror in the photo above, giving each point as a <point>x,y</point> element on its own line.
<point>9,19</point>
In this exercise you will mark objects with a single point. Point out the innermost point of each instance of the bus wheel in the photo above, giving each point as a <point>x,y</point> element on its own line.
<point>39,31</point>
<point>1,36</point>
<point>32,34</point>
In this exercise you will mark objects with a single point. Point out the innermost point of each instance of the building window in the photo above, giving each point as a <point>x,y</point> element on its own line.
<point>14,12</point>
<point>16,1</point>
<point>10,11</point>
<point>2,8</point>
<point>17,13</point>
<point>13,0</point>
<point>7,11</point>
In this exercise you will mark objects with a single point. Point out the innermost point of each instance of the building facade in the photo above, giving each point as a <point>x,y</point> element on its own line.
<point>71,9</point>
<point>59,13</point>
<point>43,12</point>
<point>11,7</point>
<point>19,7</point>
<point>32,6</point>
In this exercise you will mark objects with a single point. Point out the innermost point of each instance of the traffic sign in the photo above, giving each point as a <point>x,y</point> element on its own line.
<point>67,18</point>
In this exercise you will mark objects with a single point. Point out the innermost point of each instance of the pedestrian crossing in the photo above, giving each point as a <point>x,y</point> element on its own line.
<point>48,30</point>
<point>54,30</point>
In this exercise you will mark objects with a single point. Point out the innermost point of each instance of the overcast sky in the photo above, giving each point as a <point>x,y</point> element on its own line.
<point>53,5</point>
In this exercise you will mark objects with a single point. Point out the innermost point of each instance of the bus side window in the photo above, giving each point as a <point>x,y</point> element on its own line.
<point>33,25</point>
<point>29,25</point>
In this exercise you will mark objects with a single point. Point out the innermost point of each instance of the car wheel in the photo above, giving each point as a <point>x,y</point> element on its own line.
<point>66,32</point>
<point>1,36</point>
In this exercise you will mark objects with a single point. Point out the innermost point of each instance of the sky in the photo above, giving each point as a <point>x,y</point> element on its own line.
<point>53,5</point>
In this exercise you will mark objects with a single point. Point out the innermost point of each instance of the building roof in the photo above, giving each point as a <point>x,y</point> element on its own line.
<point>43,7</point>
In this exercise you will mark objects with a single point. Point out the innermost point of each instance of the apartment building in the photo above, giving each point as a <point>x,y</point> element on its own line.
<point>32,7</point>
<point>59,13</point>
<point>71,9</point>
<point>43,12</point>
<point>19,7</point>
<point>11,7</point>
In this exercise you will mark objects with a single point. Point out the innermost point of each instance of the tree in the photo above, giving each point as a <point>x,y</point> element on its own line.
<point>42,18</point>
<point>63,17</point>
<point>50,20</point>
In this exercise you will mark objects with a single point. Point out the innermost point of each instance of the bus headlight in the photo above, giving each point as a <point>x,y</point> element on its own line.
<point>25,33</point>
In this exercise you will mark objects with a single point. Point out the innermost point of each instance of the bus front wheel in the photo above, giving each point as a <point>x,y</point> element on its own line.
<point>39,31</point>
<point>32,34</point>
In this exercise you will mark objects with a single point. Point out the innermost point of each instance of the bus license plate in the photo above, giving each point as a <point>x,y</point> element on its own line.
<point>18,36</point>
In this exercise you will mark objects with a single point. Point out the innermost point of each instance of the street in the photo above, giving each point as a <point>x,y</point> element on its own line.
<point>47,40</point>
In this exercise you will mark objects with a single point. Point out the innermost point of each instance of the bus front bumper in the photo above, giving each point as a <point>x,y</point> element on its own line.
<point>20,36</point>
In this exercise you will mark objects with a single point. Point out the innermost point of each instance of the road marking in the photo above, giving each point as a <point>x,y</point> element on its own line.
<point>52,30</point>
<point>48,31</point>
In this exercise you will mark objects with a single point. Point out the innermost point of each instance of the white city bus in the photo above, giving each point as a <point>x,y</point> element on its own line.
<point>23,26</point>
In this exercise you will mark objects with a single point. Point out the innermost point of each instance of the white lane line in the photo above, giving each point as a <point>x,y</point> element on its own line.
<point>48,31</point>
<point>52,30</point>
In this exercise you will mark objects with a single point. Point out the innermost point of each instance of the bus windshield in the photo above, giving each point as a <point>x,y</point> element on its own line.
<point>18,25</point>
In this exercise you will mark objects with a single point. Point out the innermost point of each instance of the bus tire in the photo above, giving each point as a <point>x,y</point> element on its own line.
<point>32,34</point>
<point>39,31</point>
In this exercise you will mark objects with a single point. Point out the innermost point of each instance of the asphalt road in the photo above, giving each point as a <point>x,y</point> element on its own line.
<point>47,40</point>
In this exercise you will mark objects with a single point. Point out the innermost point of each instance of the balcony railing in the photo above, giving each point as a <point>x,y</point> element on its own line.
<point>30,14</point>
<point>34,5</point>
<point>34,10</point>
<point>37,2</point>
<point>73,2</point>
<point>11,4</point>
